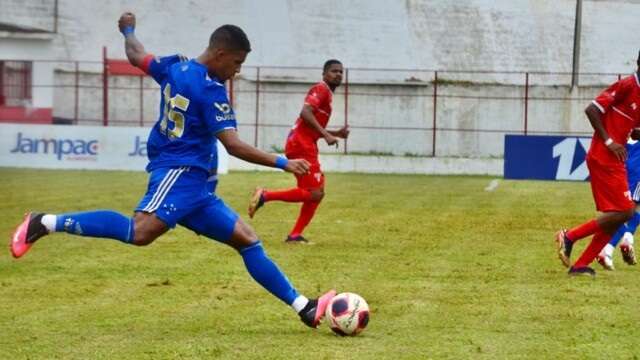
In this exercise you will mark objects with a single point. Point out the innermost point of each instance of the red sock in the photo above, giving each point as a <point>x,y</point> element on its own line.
<point>307,211</point>
<point>289,195</point>
<point>600,239</point>
<point>584,230</point>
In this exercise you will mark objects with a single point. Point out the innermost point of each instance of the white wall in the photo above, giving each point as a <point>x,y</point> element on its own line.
<point>532,35</point>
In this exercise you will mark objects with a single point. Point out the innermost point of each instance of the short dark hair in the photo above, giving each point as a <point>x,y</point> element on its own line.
<point>229,37</point>
<point>328,63</point>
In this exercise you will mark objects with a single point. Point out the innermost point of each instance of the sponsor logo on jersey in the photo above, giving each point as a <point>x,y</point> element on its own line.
<point>225,110</point>
<point>70,149</point>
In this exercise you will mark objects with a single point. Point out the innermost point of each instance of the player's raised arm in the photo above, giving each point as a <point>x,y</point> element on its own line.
<point>244,151</point>
<point>133,47</point>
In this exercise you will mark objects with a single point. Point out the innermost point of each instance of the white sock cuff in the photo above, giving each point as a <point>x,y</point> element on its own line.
<point>49,221</point>
<point>608,250</point>
<point>299,303</point>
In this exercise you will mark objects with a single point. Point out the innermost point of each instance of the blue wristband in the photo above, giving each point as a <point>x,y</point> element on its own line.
<point>281,162</point>
<point>128,30</point>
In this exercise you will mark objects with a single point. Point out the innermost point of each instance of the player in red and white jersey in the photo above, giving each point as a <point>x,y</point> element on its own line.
<point>614,115</point>
<point>302,143</point>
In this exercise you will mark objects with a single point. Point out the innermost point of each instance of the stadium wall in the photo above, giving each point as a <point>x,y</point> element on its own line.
<point>390,110</point>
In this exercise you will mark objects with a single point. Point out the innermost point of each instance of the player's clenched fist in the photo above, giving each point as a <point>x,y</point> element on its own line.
<point>127,19</point>
<point>298,166</point>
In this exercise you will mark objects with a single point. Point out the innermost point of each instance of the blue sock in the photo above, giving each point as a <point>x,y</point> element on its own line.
<point>615,239</point>
<point>632,224</point>
<point>266,273</point>
<point>99,223</point>
<point>629,226</point>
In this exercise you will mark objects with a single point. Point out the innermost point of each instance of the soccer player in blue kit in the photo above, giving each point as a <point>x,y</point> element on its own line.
<point>194,114</point>
<point>626,231</point>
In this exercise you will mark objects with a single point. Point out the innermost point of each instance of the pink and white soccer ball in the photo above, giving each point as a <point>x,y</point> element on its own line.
<point>347,314</point>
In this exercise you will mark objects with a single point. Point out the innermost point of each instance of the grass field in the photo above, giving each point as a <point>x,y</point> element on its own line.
<point>449,270</point>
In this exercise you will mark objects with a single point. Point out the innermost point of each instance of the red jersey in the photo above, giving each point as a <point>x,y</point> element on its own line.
<point>620,108</point>
<point>319,97</point>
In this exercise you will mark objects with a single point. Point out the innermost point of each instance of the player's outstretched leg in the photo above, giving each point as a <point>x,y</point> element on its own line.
<point>99,223</point>
<point>261,196</point>
<point>266,273</point>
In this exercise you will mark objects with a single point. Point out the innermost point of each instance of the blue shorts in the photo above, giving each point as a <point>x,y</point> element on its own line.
<point>181,195</point>
<point>634,187</point>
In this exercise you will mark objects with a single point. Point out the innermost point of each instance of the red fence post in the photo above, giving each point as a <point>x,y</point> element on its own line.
<point>26,80</point>
<point>77,94</point>
<point>435,107</point>
<point>526,102</point>
<point>346,104</point>
<point>3,97</point>
<point>255,138</point>
<point>105,88</point>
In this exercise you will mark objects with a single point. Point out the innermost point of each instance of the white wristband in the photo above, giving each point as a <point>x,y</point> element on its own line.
<point>608,142</point>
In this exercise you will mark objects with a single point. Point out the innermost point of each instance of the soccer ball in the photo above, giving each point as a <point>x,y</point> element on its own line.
<point>347,314</point>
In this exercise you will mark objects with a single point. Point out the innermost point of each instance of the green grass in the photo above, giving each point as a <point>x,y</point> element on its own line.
<point>449,271</point>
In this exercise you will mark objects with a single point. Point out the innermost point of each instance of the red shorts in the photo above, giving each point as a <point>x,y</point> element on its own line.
<point>308,150</point>
<point>609,186</point>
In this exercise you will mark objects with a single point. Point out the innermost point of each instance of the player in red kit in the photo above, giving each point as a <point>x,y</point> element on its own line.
<point>614,115</point>
<point>302,143</point>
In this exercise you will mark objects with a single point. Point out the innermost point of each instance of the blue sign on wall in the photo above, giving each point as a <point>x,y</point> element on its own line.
<point>545,157</point>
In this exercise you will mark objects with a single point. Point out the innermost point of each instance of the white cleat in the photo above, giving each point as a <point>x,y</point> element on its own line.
<point>606,261</point>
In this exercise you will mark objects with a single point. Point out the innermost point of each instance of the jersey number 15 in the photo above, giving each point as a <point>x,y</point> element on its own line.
<point>172,123</point>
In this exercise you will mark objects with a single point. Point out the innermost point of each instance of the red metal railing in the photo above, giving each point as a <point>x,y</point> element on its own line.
<point>82,84</point>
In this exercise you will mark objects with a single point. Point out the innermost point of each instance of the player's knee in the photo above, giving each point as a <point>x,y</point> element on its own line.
<point>317,195</point>
<point>147,228</point>
<point>243,236</point>
<point>142,238</point>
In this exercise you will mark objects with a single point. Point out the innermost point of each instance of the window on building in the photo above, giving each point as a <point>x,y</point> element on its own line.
<point>15,83</point>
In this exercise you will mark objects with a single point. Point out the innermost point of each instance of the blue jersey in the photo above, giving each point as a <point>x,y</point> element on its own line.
<point>193,108</point>
<point>633,164</point>
<point>213,160</point>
